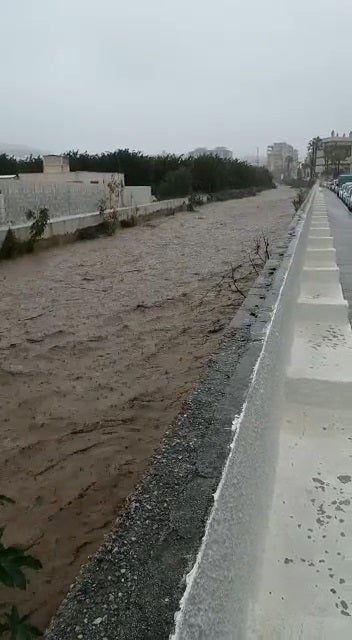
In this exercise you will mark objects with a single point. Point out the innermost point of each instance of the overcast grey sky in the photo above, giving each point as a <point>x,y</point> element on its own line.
<point>173,74</point>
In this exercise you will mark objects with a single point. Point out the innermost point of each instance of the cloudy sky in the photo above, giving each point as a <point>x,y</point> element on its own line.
<point>173,75</point>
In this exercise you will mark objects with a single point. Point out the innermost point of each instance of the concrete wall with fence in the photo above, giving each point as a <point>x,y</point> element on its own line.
<point>62,199</point>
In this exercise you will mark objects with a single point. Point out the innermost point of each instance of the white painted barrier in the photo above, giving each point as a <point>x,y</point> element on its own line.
<point>276,559</point>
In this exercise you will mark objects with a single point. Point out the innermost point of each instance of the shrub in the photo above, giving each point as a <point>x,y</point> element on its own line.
<point>128,222</point>
<point>109,224</point>
<point>232,194</point>
<point>176,184</point>
<point>13,562</point>
<point>40,220</point>
<point>89,233</point>
<point>10,246</point>
<point>108,207</point>
<point>194,200</point>
<point>299,199</point>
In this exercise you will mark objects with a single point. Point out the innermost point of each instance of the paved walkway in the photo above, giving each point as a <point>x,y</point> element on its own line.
<point>306,583</point>
<point>341,228</point>
<point>301,586</point>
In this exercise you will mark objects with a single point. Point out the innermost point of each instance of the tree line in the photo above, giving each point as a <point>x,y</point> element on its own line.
<point>9,165</point>
<point>169,175</point>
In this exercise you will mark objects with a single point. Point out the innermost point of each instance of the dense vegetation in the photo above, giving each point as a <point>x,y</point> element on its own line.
<point>10,166</point>
<point>169,175</point>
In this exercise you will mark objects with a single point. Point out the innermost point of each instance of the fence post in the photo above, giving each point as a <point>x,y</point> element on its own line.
<point>2,209</point>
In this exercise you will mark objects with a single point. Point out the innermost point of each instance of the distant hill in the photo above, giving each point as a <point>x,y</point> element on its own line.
<point>19,150</point>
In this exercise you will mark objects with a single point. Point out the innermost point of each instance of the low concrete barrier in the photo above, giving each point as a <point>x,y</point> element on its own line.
<point>60,226</point>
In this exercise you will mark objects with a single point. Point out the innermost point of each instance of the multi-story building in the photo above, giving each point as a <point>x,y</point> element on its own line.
<point>334,155</point>
<point>221,152</point>
<point>282,161</point>
<point>254,160</point>
<point>199,151</point>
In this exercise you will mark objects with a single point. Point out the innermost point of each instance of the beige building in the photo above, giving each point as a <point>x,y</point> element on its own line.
<point>198,152</point>
<point>282,161</point>
<point>334,155</point>
<point>222,152</point>
<point>56,169</point>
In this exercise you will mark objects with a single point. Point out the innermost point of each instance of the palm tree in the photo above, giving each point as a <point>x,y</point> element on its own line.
<point>334,155</point>
<point>313,146</point>
<point>288,167</point>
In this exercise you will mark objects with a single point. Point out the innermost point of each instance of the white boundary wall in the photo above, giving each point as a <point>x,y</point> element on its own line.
<point>61,198</point>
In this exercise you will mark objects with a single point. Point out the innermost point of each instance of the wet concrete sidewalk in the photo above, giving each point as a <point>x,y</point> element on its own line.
<point>306,581</point>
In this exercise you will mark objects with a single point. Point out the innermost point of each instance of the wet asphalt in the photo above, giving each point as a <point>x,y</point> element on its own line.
<point>340,219</point>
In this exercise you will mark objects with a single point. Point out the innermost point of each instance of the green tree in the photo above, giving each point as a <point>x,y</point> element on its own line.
<point>313,146</point>
<point>334,155</point>
<point>8,165</point>
<point>209,173</point>
<point>288,167</point>
<point>13,563</point>
<point>31,164</point>
<point>176,184</point>
<point>11,166</point>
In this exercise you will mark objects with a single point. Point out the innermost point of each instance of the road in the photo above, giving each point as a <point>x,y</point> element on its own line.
<point>341,227</point>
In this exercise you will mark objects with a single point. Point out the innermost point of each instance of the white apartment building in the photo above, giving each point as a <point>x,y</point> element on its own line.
<point>282,161</point>
<point>221,152</point>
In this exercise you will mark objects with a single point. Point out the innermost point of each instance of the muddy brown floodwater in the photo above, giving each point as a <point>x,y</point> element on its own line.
<point>101,342</point>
